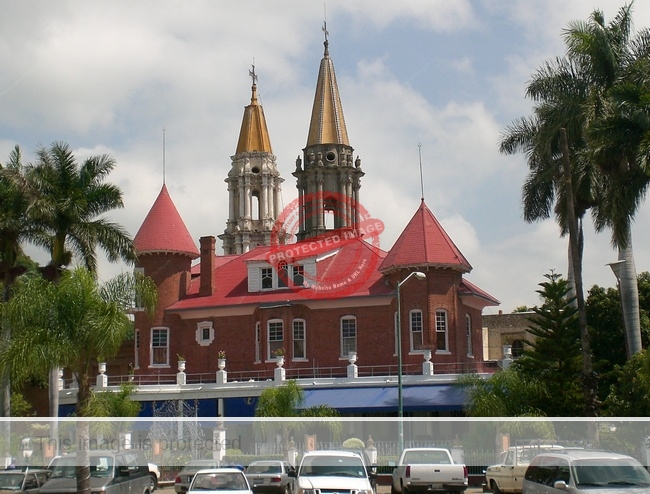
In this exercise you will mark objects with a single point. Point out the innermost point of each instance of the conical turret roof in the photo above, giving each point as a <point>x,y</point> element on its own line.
<point>163,230</point>
<point>424,243</point>
<point>254,136</point>
<point>327,124</point>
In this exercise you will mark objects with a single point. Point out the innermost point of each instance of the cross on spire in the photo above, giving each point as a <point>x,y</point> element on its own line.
<point>326,43</point>
<point>252,74</point>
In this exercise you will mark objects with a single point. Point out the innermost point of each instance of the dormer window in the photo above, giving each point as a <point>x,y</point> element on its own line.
<point>263,276</point>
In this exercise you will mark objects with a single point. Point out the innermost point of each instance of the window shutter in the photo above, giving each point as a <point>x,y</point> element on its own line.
<point>253,278</point>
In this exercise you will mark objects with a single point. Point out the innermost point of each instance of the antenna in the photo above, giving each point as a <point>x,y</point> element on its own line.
<point>163,153</point>
<point>421,180</point>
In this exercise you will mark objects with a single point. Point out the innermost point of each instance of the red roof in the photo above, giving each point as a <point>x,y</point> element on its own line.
<point>470,289</point>
<point>425,243</point>
<point>163,230</point>
<point>336,267</point>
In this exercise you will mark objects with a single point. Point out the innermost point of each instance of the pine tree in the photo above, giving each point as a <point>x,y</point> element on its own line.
<point>554,357</point>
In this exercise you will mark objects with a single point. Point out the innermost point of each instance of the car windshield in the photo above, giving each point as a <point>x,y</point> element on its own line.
<point>313,466</point>
<point>260,468</point>
<point>11,481</point>
<point>100,466</point>
<point>234,481</point>
<point>610,471</point>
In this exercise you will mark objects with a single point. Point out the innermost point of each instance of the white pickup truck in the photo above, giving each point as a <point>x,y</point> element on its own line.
<point>342,472</point>
<point>428,470</point>
<point>508,475</point>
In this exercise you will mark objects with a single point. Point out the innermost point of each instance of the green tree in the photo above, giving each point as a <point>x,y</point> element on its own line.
<point>608,56</point>
<point>71,324</point>
<point>607,330</point>
<point>506,393</point>
<point>554,355</point>
<point>629,395</point>
<point>285,401</point>
<point>68,204</point>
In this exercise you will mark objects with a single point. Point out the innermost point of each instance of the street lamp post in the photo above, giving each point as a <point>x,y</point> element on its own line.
<point>400,402</point>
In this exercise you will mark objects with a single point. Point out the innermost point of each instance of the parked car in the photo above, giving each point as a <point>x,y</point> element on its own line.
<point>154,476</point>
<point>18,481</point>
<point>110,473</point>
<point>223,480</point>
<point>185,476</point>
<point>585,472</point>
<point>507,476</point>
<point>332,471</point>
<point>270,476</point>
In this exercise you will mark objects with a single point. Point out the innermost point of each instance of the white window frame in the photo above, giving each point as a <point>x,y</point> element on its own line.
<point>442,329</point>
<point>160,330</point>
<point>276,279</point>
<point>468,333</point>
<point>272,345</point>
<point>345,346</point>
<point>299,339</point>
<point>413,331</point>
<point>198,334</point>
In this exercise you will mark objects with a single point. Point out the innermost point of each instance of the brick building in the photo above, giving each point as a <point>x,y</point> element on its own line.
<point>307,285</point>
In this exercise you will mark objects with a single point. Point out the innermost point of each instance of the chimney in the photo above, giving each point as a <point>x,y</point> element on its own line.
<point>207,266</point>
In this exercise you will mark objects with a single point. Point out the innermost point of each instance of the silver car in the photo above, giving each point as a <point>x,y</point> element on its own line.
<point>270,476</point>
<point>585,472</point>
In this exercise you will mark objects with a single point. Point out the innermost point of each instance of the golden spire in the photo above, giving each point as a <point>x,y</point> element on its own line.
<point>254,136</point>
<point>327,124</point>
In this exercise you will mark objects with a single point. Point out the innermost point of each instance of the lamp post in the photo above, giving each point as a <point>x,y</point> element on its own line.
<point>400,402</point>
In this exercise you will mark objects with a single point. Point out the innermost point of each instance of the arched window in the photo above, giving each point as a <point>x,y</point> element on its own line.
<point>299,337</point>
<point>442,344</point>
<point>275,330</point>
<point>348,335</point>
<point>415,327</point>
<point>517,348</point>
<point>159,350</point>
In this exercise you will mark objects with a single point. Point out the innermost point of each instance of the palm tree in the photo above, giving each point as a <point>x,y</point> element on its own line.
<point>68,206</point>
<point>72,323</point>
<point>559,179</point>
<point>285,401</point>
<point>608,56</point>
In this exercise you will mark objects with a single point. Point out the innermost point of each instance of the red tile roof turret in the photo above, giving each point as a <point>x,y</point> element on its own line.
<point>163,230</point>
<point>424,243</point>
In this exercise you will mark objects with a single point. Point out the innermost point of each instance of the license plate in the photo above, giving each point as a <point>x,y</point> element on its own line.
<point>435,486</point>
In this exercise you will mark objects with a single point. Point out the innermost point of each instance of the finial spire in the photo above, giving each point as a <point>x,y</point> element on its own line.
<point>252,73</point>
<point>326,43</point>
<point>421,180</point>
<point>163,154</point>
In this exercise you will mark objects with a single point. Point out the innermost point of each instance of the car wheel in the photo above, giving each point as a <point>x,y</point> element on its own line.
<point>494,487</point>
<point>153,483</point>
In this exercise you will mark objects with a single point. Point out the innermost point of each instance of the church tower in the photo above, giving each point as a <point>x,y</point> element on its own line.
<point>329,181</point>
<point>254,184</point>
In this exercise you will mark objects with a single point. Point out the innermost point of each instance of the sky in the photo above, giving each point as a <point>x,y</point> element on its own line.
<point>434,82</point>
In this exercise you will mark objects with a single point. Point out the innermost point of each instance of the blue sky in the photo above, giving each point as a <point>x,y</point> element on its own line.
<point>108,76</point>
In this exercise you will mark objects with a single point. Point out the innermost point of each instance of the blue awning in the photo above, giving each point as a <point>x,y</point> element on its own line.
<point>384,399</point>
